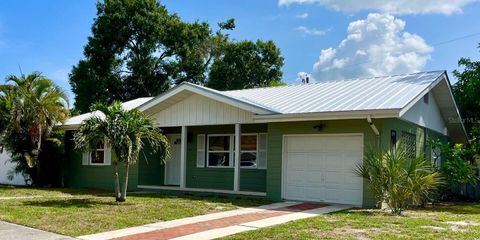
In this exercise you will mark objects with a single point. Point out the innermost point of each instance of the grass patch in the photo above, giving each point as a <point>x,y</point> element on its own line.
<point>76,212</point>
<point>460,221</point>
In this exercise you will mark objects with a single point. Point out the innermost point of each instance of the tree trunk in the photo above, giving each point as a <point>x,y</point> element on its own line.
<point>117,184</point>
<point>125,185</point>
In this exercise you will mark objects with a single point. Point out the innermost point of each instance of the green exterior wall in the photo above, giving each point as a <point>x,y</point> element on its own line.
<point>85,176</point>
<point>222,178</point>
<point>150,171</point>
<point>275,143</point>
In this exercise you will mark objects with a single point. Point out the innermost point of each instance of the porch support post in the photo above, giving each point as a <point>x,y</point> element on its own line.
<point>183,157</point>
<point>236,173</point>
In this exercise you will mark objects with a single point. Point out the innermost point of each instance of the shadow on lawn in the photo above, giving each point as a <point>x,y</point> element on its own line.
<point>73,203</point>
<point>455,208</point>
<point>236,201</point>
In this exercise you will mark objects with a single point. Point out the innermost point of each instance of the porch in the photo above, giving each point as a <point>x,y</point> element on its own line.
<point>203,160</point>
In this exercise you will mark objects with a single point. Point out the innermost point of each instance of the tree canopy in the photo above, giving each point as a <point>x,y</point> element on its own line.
<point>467,90</point>
<point>246,65</point>
<point>30,107</point>
<point>139,49</point>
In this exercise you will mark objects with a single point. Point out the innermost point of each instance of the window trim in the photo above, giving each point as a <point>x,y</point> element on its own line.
<point>249,151</point>
<point>231,151</point>
<point>231,163</point>
<point>105,162</point>
<point>96,152</point>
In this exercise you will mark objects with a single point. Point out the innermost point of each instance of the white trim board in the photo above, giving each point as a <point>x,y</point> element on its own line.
<point>262,194</point>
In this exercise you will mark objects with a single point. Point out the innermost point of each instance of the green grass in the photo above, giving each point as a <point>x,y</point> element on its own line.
<point>461,221</point>
<point>76,212</point>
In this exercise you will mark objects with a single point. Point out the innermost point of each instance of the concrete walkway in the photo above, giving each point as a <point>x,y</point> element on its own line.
<point>221,224</point>
<point>10,231</point>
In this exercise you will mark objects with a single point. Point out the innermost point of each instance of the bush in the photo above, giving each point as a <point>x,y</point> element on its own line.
<point>397,180</point>
<point>458,165</point>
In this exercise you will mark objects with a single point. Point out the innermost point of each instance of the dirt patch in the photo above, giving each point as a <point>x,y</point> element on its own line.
<point>436,228</point>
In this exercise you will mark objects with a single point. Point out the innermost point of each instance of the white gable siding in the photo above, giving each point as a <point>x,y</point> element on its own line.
<point>426,115</point>
<point>199,110</point>
<point>5,167</point>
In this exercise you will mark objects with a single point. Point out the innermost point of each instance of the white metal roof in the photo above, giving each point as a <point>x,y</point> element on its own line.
<point>378,97</point>
<point>77,120</point>
<point>378,93</point>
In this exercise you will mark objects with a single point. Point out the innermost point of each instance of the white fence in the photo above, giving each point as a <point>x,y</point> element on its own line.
<point>5,167</point>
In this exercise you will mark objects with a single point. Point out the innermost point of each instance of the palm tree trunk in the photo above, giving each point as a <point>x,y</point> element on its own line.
<point>117,184</point>
<point>125,185</point>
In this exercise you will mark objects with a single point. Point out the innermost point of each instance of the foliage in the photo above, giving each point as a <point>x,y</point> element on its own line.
<point>136,50</point>
<point>396,180</point>
<point>457,166</point>
<point>139,49</point>
<point>30,107</point>
<point>466,91</point>
<point>246,65</point>
<point>125,131</point>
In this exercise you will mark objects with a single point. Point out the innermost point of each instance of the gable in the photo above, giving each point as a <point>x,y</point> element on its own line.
<point>426,115</point>
<point>199,110</point>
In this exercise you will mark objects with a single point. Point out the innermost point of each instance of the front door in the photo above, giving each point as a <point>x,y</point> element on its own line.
<point>172,166</point>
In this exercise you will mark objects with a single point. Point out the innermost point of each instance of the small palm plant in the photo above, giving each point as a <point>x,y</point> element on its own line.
<point>397,180</point>
<point>125,131</point>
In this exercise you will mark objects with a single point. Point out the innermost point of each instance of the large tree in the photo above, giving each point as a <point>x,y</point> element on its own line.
<point>246,64</point>
<point>125,131</point>
<point>138,49</point>
<point>30,107</point>
<point>467,90</point>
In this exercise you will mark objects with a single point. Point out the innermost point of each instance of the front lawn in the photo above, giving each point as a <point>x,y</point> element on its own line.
<point>460,221</point>
<point>77,212</point>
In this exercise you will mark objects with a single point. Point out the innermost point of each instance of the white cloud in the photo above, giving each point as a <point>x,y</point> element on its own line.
<point>375,46</point>
<point>302,16</point>
<point>389,6</point>
<point>311,31</point>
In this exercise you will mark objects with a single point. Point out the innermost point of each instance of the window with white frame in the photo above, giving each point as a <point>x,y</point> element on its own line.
<point>248,151</point>
<point>219,152</point>
<point>100,156</point>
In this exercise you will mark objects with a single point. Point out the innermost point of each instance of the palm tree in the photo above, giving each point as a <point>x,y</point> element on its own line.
<point>397,180</point>
<point>30,107</point>
<point>125,131</point>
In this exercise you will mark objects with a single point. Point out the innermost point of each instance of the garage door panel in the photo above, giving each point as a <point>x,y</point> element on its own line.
<point>304,144</point>
<point>322,168</point>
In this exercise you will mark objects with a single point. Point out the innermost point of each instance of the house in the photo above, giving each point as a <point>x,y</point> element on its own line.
<point>298,142</point>
<point>6,168</point>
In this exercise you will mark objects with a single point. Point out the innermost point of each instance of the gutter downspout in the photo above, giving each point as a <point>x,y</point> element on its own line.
<point>372,125</point>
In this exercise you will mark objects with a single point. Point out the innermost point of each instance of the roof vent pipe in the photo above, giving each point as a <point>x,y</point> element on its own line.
<point>374,128</point>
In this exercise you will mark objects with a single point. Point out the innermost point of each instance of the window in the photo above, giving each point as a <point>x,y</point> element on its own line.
<point>436,156</point>
<point>248,151</point>
<point>220,151</point>
<point>409,141</point>
<point>100,156</point>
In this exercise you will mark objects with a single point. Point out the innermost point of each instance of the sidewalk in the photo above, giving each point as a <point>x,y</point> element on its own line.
<point>221,224</point>
<point>10,231</point>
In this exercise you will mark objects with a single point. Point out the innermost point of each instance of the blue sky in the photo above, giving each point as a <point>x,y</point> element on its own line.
<point>49,36</point>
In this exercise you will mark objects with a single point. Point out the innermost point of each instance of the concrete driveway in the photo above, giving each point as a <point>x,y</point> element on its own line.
<point>10,231</point>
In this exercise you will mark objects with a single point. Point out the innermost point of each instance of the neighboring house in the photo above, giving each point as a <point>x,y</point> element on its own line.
<point>5,167</point>
<point>298,142</point>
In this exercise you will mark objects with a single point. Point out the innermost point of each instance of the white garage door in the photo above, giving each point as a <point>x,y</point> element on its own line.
<point>321,168</point>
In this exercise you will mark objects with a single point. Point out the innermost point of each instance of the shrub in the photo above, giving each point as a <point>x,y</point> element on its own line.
<point>397,180</point>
